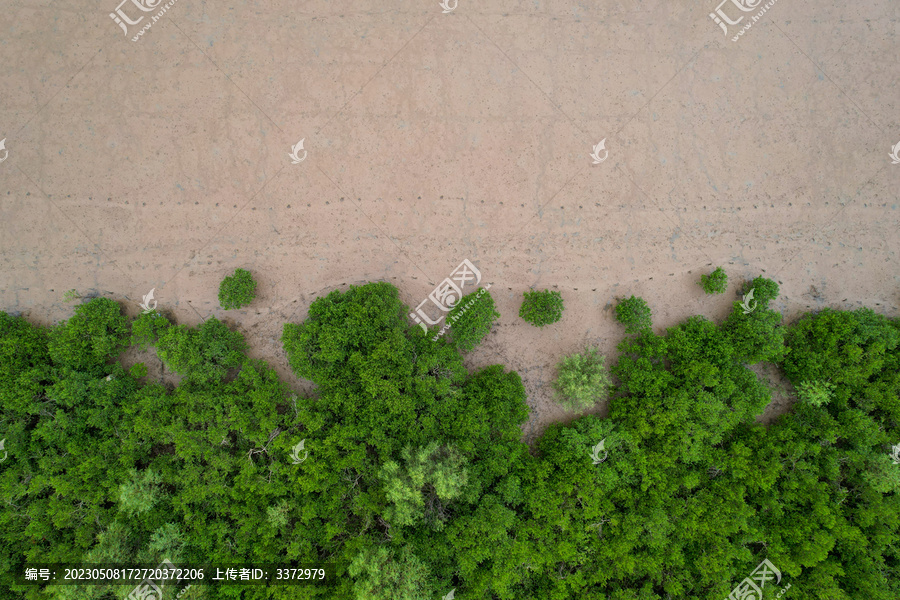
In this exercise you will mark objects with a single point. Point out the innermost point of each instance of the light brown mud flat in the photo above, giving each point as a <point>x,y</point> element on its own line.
<point>432,137</point>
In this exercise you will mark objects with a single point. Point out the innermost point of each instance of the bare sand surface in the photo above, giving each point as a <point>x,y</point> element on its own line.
<point>431,137</point>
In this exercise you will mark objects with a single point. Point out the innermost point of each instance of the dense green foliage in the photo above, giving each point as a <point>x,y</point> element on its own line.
<point>202,355</point>
<point>582,379</point>
<point>385,574</point>
<point>759,335</point>
<point>716,282</point>
<point>147,328</point>
<point>442,473</point>
<point>237,290</point>
<point>816,393</point>
<point>541,308</point>
<point>471,319</point>
<point>387,394</point>
<point>634,314</point>
<point>96,333</point>
<point>417,481</point>
<point>101,468</point>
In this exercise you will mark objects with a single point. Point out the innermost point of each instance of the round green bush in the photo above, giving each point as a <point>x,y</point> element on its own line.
<point>716,282</point>
<point>237,290</point>
<point>634,314</point>
<point>582,379</point>
<point>541,308</point>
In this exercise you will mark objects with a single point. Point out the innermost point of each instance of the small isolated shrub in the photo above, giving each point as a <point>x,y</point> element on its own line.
<point>816,393</point>
<point>541,308</point>
<point>582,379</point>
<point>634,314</point>
<point>716,282</point>
<point>138,370</point>
<point>471,319</point>
<point>71,295</point>
<point>237,290</point>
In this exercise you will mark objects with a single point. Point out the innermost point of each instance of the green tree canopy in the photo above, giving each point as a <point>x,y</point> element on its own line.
<point>471,319</point>
<point>414,478</point>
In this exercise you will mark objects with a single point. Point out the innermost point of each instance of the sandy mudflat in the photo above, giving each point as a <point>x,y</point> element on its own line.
<point>435,137</point>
